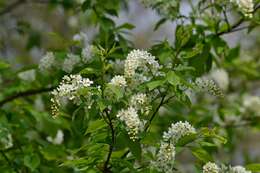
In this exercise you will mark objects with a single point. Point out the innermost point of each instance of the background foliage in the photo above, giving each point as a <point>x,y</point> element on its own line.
<point>87,136</point>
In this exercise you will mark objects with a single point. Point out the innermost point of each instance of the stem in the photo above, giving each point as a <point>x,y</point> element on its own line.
<point>11,7</point>
<point>154,113</point>
<point>25,94</point>
<point>111,146</point>
<point>8,161</point>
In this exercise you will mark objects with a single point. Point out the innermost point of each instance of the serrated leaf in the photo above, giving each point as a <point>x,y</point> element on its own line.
<point>95,126</point>
<point>32,161</point>
<point>154,84</point>
<point>254,167</point>
<point>202,154</point>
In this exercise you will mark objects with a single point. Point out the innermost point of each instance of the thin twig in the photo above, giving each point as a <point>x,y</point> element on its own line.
<point>111,146</point>
<point>8,161</point>
<point>11,7</point>
<point>25,94</point>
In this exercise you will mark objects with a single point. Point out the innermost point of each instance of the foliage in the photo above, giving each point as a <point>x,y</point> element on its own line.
<point>106,106</point>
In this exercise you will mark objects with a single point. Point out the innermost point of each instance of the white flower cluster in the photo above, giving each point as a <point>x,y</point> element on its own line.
<point>177,131</point>
<point>252,104</point>
<point>165,157</point>
<point>211,168</point>
<point>246,7</point>
<point>81,37</point>
<point>6,140</point>
<point>133,123</point>
<point>70,62</point>
<point>87,53</point>
<point>118,80</point>
<point>210,86</point>
<point>28,75</point>
<point>214,168</point>
<point>166,154</point>
<point>140,102</point>
<point>220,76</point>
<point>239,169</point>
<point>142,61</point>
<point>164,7</point>
<point>68,89</point>
<point>58,139</point>
<point>47,61</point>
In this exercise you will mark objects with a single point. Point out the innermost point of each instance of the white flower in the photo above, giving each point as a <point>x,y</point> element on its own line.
<point>239,169</point>
<point>6,140</point>
<point>252,104</point>
<point>165,158</point>
<point>246,7</point>
<point>220,76</point>
<point>87,53</point>
<point>81,37</point>
<point>58,138</point>
<point>209,86</point>
<point>68,89</point>
<point>177,131</point>
<point>141,60</point>
<point>211,168</point>
<point>133,124</point>
<point>47,61</point>
<point>70,62</point>
<point>140,102</point>
<point>28,75</point>
<point>118,81</point>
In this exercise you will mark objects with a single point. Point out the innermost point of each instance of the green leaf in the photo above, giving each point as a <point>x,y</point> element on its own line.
<point>125,26</point>
<point>254,167</point>
<point>86,5</point>
<point>95,126</point>
<point>202,154</point>
<point>32,161</point>
<point>182,36</point>
<point>3,65</point>
<point>88,70</point>
<point>173,78</point>
<point>159,23</point>
<point>186,139</point>
<point>154,84</point>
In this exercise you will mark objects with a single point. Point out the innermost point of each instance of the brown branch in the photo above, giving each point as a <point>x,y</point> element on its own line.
<point>11,7</point>
<point>25,94</point>
<point>106,169</point>
<point>236,27</point>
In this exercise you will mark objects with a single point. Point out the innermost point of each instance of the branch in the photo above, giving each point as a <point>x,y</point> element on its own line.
<point>111,146</point>
<point>235,27</point>
<point>154,113</point>
<point>25,94</point>
<point>8,161</point>
<point>11,7</point>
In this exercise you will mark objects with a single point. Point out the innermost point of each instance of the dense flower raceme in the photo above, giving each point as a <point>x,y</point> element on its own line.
<point>214,168</point>
<point>133,124</point>
<point>68,89</point>
<point>141,102</point>
<point>220,76</point>
<point>208,85</point>
<point>164,7</point>
<point>70,62</point>
<point>142,61</point>
<point>239,169</point>
<point>166,154</point>
<point>211,168</point>
<point>47,61</point>
<point>177,131</point>
<point>118,81</point>
<point>165,157</point>
<point>252,104</point>
<point>246,6</point>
